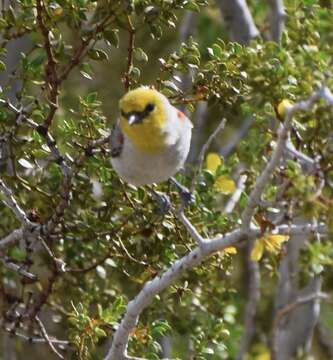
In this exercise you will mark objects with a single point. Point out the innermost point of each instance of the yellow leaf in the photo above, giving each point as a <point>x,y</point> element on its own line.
<point>225,185</point>
<point>283,106</point>
<point>257,250</point>
<point>263,356</point>
<point>213,161</point>
<point>273,242</point>
<point>230,250</point>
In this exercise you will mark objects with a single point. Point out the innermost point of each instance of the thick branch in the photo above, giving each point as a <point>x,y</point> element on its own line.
<point>238,20</point>
<point>280,314</point>
<point>277,18</point>
<point>207,247</point>
<point>253,294</point>
<point>147,294</point>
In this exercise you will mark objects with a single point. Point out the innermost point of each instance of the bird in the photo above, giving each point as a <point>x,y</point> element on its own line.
<point>151,139</point>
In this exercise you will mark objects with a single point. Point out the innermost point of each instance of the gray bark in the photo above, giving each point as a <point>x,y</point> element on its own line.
<point>238,20</point>
<point>295,331</point>
<point>276,19</point>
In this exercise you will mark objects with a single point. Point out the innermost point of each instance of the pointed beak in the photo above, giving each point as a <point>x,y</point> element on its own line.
<point>133,119</point>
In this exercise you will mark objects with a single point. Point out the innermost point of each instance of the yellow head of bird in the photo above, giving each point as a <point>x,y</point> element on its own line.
<point>143,118</point>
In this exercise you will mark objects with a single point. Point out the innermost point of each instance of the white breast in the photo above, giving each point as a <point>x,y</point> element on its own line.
<point>139,168</point>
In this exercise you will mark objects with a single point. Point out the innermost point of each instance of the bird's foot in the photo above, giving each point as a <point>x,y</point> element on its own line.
<point>163,201</point>
<point>185,194</point>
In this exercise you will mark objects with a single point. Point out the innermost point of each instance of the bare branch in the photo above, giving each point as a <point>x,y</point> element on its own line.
<point>46,337</point>
<point>65,187</point>
<point>38,340</point>
<point>232,202</point>
<point>18,269</point>
<point>237,136</point>
<point>204,149</point>
<point>277,17</point>
<point>207,247</point>
<point>280,314</point>
<point>11,239</point>
<point>131,38</point>
<point>12,204</point>
<point>263,179</point>
<point>51,75</point>
<point>159,283</point>
<point>238,20</point>
<point>253,275</point>
<point>191,229</point>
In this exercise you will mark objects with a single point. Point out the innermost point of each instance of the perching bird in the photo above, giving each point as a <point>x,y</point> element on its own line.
<point>151,140</point>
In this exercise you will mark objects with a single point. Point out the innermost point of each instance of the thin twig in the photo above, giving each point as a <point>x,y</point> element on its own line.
<point>11,202</point>
<point>232,202</point>
<point>203,151</point>
<point>50,68</point>
<point>18,269</point>
<point>46,337</point>
<point>131,39</point>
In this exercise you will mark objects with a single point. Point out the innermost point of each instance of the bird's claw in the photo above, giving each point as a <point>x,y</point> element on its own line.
<point>163,201</point>
<point>186,195</point>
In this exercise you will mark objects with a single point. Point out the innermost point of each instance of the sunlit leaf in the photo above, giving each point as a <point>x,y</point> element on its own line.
<point>225,185</point>
<point>213,161</point>
<point>257,250</point>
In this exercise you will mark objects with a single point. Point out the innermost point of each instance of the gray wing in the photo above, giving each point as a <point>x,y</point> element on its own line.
<point>117,140</point>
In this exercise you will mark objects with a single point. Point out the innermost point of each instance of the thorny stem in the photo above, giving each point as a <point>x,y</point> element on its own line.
<point>131,39</point>
<point>50,68</point>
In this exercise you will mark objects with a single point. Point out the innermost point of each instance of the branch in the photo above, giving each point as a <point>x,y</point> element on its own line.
<point>263,179</point>
<point>194,258</point>
<point>13,205</point>
<point>11,239</point>
<point>238,20</point>
<point>253,277</point>
<point>232,202</point>
<point>280,314</point>
<point>38,340</point>
<point>85,46</point>
<point>50,68</point>
<point>47,338</point>
<point>237,136</point>
<point>204,149</point>
<point>65,187</point>
<point>277,18</point>
<point>191,229</point>
<point>18,269</point>
<point>131,38</point>
<point>158,284</point>
<point>207,247</point>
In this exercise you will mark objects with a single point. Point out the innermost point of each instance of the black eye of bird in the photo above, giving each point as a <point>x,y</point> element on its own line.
<point>150,108</point>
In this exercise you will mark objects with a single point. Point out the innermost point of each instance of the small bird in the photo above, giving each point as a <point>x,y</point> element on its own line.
<point>151,140</point>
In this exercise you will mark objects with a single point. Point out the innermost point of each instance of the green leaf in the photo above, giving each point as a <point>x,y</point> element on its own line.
<point>100,332</point>
<point>25,163</point>
<point>112,36</point>
<point>98,55</point>
<point>92,97</point>
<point>140,55</point>
<point>192,6</point>
<point>17,254</point>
